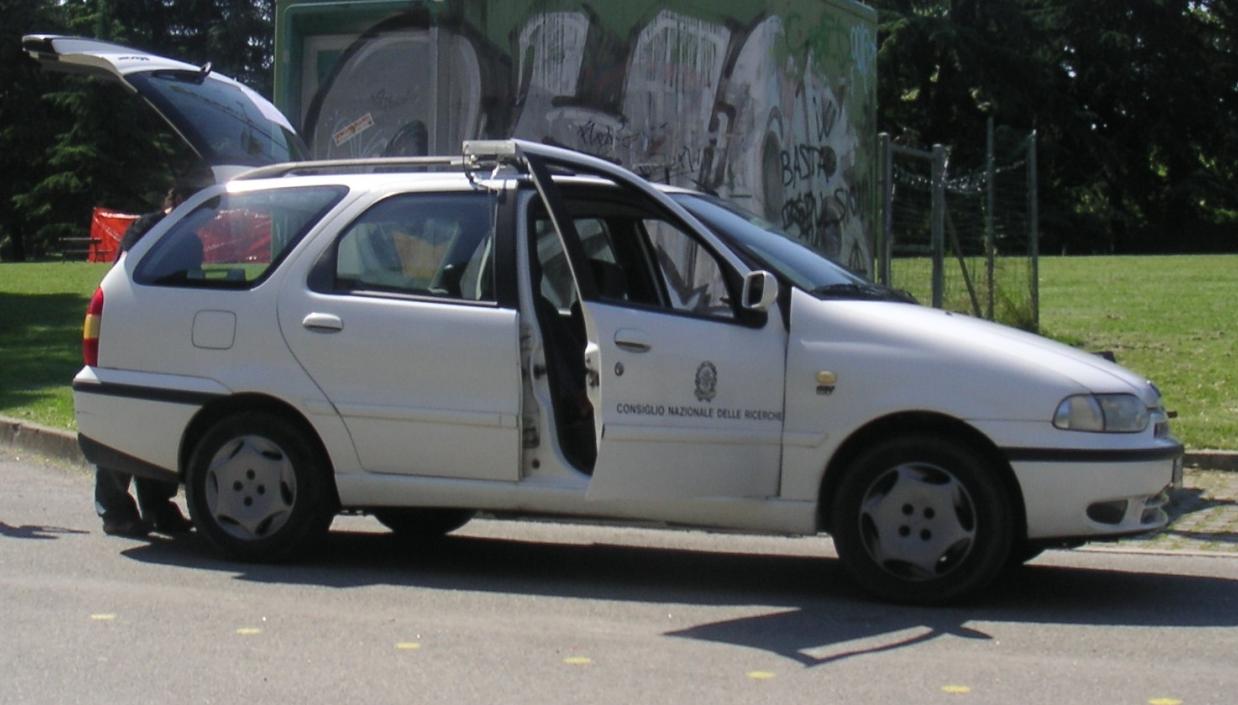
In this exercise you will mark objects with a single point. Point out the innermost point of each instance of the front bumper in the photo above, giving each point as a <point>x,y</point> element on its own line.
<point>1088,494</point>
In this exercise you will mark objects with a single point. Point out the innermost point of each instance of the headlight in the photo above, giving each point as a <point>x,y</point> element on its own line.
<point>1102,413</point>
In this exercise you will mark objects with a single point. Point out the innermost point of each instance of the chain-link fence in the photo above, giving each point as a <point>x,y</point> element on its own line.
<point>964,239</point>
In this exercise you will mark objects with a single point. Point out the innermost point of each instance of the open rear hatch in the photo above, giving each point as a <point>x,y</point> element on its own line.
<point>226,123</point>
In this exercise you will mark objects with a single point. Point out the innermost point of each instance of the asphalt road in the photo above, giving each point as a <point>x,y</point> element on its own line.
<point>548,614</point>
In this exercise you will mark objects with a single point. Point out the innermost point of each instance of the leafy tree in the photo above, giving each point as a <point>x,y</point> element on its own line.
<point>27,124</point>
<point>1133,101</point>
<point>82,142</point>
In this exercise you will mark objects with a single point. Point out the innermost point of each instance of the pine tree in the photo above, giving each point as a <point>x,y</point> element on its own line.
<point>73,143</point>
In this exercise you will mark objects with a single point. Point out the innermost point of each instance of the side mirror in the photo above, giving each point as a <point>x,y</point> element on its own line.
<point>760,291</point>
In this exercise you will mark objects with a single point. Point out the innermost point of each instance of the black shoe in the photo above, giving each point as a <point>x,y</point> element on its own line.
<point>132,527</point>
<point>169,520</point>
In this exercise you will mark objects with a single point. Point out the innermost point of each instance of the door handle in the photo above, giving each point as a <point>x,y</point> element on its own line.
<point>323,323</point>
<point>632,340</point>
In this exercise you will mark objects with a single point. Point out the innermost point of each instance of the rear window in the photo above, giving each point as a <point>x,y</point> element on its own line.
<point>234,240</point>
<point>221,120</point>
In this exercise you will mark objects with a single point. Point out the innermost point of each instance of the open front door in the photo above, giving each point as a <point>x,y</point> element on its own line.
<point>686,389</point>
<point>685,407</point>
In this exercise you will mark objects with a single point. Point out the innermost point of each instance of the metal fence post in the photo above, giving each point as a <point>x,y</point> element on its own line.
<point>939,225</point>
<point>1033,228</point>
<point>990,239</point>
<point>885,244</point>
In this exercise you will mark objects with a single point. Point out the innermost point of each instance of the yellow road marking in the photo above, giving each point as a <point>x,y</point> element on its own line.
<point>760,675</point>
<point>1164,701</point>
<point>955,689</point>
<point>578,660</point>
<point>103,617</point>
<point>408,646</point>
<point>248,631</point>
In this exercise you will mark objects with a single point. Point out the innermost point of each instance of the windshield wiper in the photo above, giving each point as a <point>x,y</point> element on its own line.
<point>862,291</point>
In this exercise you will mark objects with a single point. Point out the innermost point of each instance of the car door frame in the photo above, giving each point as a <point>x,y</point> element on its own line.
<point>540,160</point>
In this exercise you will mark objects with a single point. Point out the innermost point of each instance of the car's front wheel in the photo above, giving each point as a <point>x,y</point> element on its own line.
<point>922,519</point>
<point>256,490</point>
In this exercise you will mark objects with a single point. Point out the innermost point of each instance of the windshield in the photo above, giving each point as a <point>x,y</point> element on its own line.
<point>220,119</point>
<point>778,252</point>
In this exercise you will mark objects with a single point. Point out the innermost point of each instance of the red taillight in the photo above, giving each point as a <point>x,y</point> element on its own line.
<point>90,329</point>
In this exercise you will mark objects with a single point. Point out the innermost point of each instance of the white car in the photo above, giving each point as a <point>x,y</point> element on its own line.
<point>531,331</point>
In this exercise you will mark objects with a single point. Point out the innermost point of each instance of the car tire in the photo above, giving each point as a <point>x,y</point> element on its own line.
<point>423,524</point>
<point>257,490</point>
<point>1023,553</point>
<point>922,520</point>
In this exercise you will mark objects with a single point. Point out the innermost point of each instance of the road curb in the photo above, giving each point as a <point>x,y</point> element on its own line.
<point>1136,551</point>
<point>62,444</point>
<point>51,442</point>
<point>1212,460</point>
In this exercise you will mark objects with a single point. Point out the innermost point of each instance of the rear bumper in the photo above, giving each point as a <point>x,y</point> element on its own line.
<point>137,419</point>
<point>107,457</point>
<point>1073,494</point>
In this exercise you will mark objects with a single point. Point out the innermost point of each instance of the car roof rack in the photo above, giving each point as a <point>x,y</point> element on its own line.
<point>477,154</point>
<point>331,166</point>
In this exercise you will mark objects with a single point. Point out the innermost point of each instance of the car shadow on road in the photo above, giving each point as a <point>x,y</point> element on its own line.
<point>815,614</point>
<point>1192,500</point>
<point>592,570</point>
<point>820,633</point>
<point>1189,520</point>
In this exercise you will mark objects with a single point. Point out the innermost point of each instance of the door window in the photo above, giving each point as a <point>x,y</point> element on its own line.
<point>436,245</point>
<point>556,285</point>
<point>634,258</point>
<point>690,276</point>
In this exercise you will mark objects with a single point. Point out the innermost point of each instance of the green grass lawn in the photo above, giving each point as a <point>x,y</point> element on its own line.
<point>42,307</point>
<point>1173,319</point>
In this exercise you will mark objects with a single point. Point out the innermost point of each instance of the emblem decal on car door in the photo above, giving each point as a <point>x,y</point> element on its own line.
<point>706,381</point>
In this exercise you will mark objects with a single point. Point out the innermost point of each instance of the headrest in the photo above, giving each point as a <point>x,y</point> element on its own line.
<point>609,279</point>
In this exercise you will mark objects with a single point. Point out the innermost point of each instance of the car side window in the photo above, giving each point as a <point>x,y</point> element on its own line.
<point>232,241</point>
<point>689,274</point>
<point>635,257</point>
<point>556,285</point>
<point>424,244</point>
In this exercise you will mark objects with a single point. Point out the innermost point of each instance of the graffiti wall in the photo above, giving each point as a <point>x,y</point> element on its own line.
<point>769,104</point>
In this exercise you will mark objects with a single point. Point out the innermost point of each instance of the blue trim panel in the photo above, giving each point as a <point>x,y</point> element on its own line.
<point>1075,455</point>
<point>130,391</point>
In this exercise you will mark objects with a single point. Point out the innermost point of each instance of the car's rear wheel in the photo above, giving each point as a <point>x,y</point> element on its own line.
<point>421,524</point>
<point>922,519</point>
<point>256,490</point>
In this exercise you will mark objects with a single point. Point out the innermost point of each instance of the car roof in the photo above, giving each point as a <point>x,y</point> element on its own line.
<point>402,181</point>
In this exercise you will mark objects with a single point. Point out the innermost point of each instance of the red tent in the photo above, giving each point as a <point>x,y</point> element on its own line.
<point>232,237</point>
<point>106,229</point>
